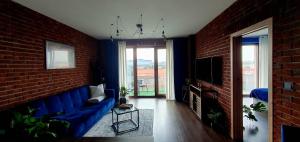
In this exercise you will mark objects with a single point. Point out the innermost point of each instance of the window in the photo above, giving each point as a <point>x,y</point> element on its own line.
<point>161,61</point>
<point>249,68</point>
<point>129,71</point>
<point>146,71</point>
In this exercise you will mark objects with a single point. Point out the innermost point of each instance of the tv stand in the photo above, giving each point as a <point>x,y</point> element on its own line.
<point>195,100</point>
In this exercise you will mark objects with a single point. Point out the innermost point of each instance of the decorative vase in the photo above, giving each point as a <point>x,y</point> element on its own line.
<point>123,100</point>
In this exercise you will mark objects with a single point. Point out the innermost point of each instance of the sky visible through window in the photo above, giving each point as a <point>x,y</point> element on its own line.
<point>249,58</point>
<point>145,54</point>
<point>248,51</point>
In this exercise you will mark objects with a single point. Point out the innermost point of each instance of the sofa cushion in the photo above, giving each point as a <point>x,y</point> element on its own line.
<point>75,95</point>
<point>67,102</point>
<point>84,94</point>
<point>40,107</point>
<point>100,105</point>
<point>54,105</point>
<point>73,118</point>
<point>88,112</point>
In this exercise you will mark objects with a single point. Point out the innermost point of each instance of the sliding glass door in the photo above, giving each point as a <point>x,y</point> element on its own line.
<point>161,71</point>
<point>130,71</point>
<point>146,71</point>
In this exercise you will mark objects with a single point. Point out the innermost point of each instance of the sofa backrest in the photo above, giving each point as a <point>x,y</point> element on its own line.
<point>65,102</point>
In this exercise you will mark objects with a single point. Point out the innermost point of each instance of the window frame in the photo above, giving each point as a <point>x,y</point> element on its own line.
<point>156,91</point>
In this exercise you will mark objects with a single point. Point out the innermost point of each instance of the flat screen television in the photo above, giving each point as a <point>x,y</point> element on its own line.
<point>210,70</point>
<point>217,70</point>
<point>203,69</point>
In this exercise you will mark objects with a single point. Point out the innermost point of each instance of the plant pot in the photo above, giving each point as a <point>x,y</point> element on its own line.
<point>123,100</point>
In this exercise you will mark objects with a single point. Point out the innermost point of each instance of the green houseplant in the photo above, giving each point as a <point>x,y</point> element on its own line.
<point>123,93</point>
<point>214,117</point>
<point>25,126</point>
<point>249,111</point>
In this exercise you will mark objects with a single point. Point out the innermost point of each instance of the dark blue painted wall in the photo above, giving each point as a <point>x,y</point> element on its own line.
<point>180,65</point>
<point>110,62</point>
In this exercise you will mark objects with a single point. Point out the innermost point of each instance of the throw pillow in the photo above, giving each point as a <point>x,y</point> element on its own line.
<point>101,89</point>
<point>97,91</point>
<point>96,99</point>
<point>94,91</point>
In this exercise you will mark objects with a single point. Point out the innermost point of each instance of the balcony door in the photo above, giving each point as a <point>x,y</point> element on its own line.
<point>146,71</point>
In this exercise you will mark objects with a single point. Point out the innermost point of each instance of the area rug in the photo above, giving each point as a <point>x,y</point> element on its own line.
<point>103,127</point>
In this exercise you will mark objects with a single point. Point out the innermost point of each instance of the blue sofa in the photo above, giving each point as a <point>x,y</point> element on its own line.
<point>72,106</point>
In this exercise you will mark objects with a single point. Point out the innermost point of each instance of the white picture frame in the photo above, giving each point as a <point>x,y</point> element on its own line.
<point>59,56</point>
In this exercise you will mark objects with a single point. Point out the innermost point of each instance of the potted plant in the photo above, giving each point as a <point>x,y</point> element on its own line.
<point>123,93</point>
<point>27,127</point>
<point>249,112</point>
<point>187,82</point>
<point>214,117</point>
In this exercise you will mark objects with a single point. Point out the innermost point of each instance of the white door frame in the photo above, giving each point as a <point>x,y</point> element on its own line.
<point>268,23</point>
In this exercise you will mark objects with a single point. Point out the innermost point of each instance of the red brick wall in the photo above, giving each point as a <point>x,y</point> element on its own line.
<point>214,40</point>
<point>286,65</point>
<point>23,76</point>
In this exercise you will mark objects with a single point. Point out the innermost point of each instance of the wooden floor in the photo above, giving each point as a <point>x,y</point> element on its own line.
<point>173,122</point>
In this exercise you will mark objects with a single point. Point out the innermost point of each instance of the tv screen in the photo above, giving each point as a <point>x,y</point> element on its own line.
<point>203,69</point>
<point>217,70</point>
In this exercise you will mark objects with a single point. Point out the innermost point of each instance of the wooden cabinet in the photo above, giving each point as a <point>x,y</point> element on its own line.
<point>195,100</point>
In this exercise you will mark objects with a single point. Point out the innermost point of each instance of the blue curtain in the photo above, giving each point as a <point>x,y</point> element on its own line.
<point>110,61</point>
<point>180,65</point>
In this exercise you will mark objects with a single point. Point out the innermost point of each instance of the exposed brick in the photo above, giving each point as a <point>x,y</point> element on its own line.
<point>23,76</point>
<point>214,40</point>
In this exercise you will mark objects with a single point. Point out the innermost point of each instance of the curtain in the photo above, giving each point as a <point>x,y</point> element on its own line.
<point>263,62</point>
<point>170,90</point>
<point>122,63</point>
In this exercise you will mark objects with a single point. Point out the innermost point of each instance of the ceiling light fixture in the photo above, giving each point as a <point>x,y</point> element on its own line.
<point>115,28</point>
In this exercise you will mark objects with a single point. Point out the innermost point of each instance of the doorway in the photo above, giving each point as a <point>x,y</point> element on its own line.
<point>255,85</point>
<point>146,71</point>
<point>251,70</point>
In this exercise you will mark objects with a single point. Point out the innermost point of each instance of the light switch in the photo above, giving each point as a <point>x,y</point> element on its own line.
<point>288,86</point>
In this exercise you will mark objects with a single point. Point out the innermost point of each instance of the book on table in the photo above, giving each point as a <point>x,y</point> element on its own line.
<point>125,106</point>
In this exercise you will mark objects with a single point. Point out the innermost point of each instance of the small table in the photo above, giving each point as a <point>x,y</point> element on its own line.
<point>118,112</point>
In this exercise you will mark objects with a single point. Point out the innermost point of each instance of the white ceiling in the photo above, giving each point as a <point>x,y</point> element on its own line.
<point>93,17</point>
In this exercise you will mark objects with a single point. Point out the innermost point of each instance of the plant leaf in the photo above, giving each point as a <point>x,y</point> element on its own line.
<point>259,107</point>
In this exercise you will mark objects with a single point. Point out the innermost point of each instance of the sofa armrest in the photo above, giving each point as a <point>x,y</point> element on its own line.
<point>110,93</point>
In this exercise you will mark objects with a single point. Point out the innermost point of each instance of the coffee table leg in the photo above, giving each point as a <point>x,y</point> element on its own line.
<point>138,118</point>
<point>112,117</point>
<point>117,123</point>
